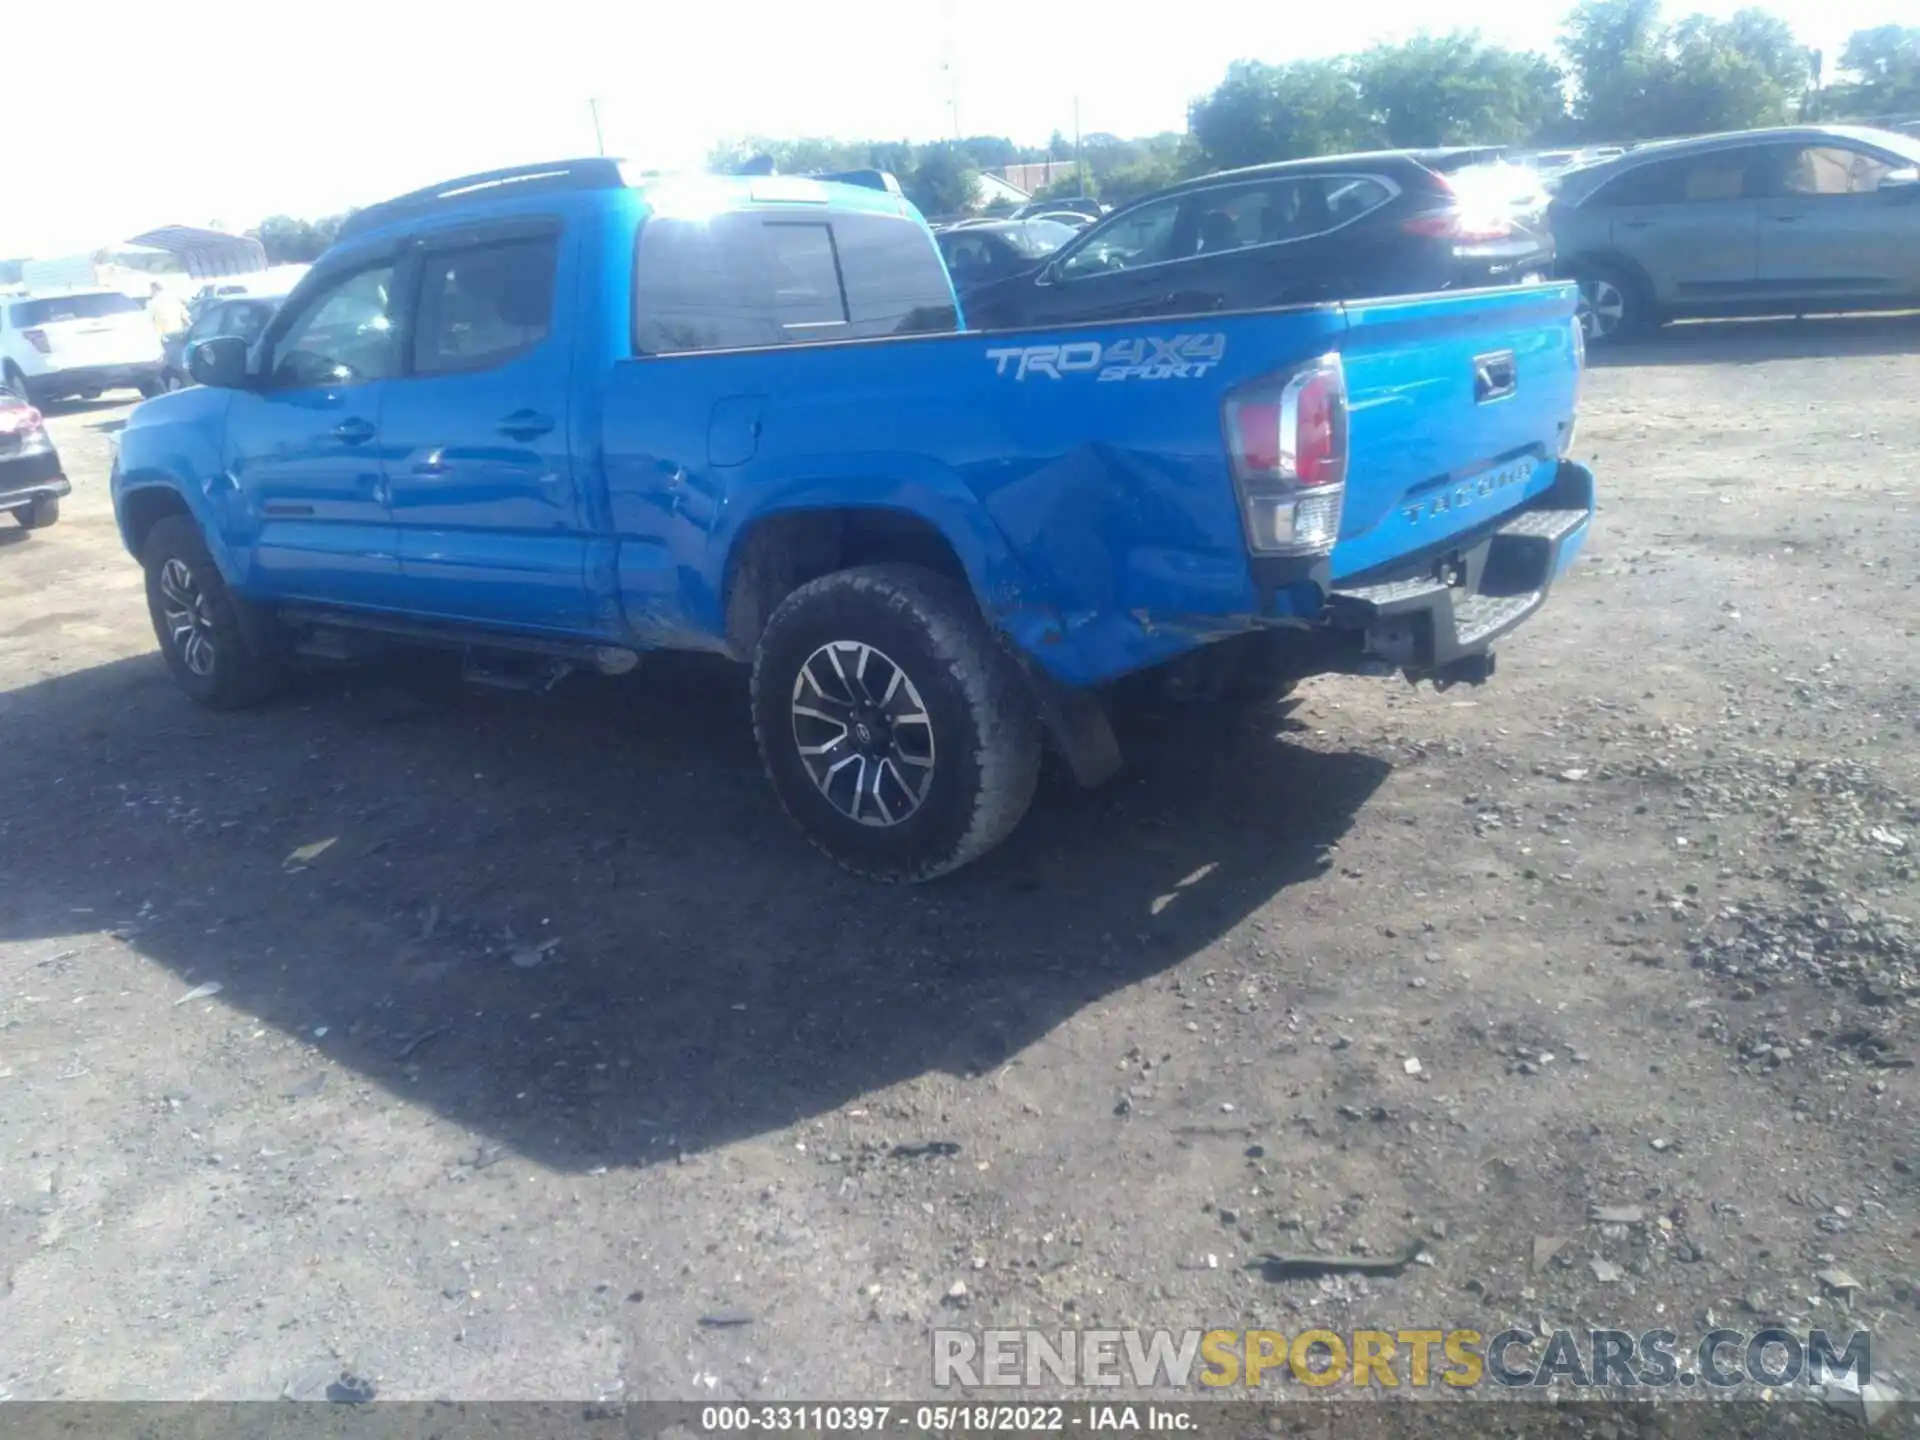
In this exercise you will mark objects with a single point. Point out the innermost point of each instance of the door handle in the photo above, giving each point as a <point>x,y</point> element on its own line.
<point>526,425</point>
<point>1636,224</point>
<point>1783,219</point>
<point>352,432</point>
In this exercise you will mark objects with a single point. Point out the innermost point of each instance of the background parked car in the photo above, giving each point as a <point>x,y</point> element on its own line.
<point>31,478</point>
<point>1760,221</point>
<point>1075,204</point>
<point>246,316</point>
<point>80,342</point>
<point>979,254</point>
<point>1331,228</point>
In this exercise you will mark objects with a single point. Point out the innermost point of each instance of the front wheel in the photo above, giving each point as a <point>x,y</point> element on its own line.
<point>152,386</point>
<point>1613,306</point>
<point>217,648</point>
<point>897,734</point>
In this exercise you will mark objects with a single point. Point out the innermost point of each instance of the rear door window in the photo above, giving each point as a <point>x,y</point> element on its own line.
<point>1274,211</point>
<point>751,279</point>
<point>1686,180</point>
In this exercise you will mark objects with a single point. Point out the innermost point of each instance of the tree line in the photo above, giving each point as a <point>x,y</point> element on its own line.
<point>1623,73</point>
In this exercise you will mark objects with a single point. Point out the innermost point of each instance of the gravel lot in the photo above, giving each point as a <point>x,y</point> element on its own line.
<point>566,1047</point>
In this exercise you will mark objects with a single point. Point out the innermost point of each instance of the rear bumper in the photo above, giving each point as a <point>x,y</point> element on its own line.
<point>27,478</point>
<point>57,384</point>
<point>1438,612</point>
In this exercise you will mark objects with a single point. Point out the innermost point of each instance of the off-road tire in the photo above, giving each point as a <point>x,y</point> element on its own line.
<point>983,723</point>
<point>40,514</point>
<point>245,665</point>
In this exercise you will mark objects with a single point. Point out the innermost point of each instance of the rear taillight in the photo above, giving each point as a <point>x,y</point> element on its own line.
<point>1579,384</point>
<point>1287,438</point>
<point>23,423</point>
<point>37,339</point>
<point>1461,229</point>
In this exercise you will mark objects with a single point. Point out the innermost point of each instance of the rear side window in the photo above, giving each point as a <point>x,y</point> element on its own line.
<point>483,304</point>
<point>1288,209</point>
<point>749,279</point>
<point>1691,180</point>
<point>71,307</point>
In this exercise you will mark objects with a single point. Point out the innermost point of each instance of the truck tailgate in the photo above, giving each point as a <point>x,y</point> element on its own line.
<point>1459,408</point>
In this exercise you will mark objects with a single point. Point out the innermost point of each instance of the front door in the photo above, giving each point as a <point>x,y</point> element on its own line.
<point>1119,269</point>
<point>1827,228</point>
<point>302,447</point>
<point>493,526</point>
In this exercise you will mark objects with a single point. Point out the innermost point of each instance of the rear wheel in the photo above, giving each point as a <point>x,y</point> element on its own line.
<point>219,649</point>
<point>897,734</point>
<point>1613,305</point>
<point>40,514</point>
<point>153,386</point>
<point>15,381</point>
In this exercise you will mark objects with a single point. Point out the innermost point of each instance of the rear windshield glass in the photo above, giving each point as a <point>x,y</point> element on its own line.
<point>71,307</point>
<point>751,278</point>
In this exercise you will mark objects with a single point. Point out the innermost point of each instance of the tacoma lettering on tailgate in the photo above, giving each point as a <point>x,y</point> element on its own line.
<point>1147,357</point>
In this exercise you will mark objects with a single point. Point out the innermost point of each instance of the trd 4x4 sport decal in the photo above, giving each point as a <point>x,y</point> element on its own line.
<point>1147,357</point>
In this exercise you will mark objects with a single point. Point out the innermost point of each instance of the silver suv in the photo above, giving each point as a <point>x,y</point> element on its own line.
<point>1759,222</point>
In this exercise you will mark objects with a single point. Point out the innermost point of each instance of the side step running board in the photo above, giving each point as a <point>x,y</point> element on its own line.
<point>607,659</point>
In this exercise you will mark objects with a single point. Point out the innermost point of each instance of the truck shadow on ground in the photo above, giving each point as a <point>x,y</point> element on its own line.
<point>579,925</point>
<point>1747,342</point>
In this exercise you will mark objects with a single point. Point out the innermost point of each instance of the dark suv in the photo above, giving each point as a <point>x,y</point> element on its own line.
<point>1332,228</point>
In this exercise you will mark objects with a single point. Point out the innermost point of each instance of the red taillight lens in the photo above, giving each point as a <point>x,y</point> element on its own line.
<point>1318,421</point>
<point>1287,436</point>
<point>21,421</point>
<point>37,339</point>
<point>1459,228</point>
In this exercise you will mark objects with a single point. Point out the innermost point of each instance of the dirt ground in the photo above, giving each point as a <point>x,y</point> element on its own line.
<point>567,1070</point>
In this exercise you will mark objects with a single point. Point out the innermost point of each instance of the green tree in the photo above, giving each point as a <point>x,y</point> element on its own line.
<point>1264,112</point>
<point>1638,78</point>
<point>1457,89</point>
<point>943,182</point>
<point>1885,65</point>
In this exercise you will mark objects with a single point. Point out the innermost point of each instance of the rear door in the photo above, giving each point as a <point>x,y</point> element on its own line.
<point>1827,228</point>
<point>303,473</point>
<point>1691,223</point>
<point>485,498</point>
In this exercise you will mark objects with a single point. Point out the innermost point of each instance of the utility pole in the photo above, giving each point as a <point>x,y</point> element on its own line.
<point>599,140</point>
<point>953,73</point>
<point>1079,165</point>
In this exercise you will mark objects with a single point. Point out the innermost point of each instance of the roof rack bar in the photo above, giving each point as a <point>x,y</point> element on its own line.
<point>594,172</point>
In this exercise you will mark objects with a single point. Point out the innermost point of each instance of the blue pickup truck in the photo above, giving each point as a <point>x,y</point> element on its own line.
<point>558,416</point>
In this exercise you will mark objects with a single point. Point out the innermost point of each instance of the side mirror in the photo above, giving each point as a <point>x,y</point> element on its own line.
<point>1902,184</point>
<point>221,362</point>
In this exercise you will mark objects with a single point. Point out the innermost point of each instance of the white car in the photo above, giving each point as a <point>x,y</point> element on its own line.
<point>77,342</point>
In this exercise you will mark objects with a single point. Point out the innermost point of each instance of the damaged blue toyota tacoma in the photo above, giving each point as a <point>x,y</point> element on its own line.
<point>556,417</point>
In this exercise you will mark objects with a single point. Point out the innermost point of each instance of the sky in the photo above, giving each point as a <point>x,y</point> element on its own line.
<point>229,110</point>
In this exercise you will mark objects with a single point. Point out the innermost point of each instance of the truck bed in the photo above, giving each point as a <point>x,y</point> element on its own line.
<point>1080,473</point>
